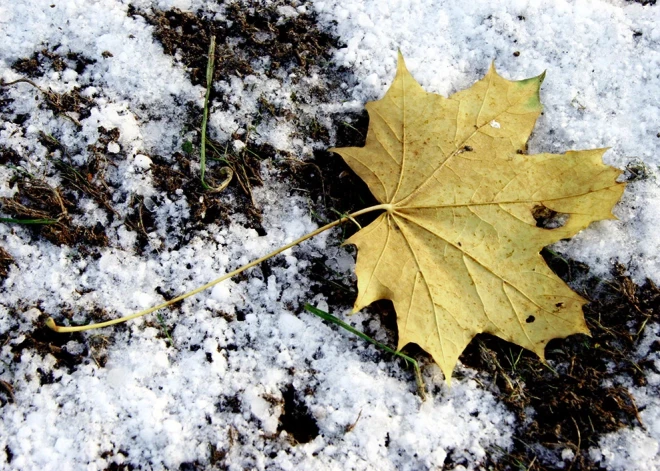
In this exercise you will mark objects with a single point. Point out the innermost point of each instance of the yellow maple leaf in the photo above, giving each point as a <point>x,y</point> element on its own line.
<point>457,249</point>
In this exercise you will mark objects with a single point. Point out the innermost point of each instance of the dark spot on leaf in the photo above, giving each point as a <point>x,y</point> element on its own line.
<point>530,319</point>
<point>548,218</point>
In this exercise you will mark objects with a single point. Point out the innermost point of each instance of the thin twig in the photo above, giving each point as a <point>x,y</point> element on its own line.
<point>48,94</point>
<point>350,427</point>
<point>579,444</point>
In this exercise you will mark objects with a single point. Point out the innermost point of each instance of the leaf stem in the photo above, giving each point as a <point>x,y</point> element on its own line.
<point>329,317</point>
<point>51,323</point>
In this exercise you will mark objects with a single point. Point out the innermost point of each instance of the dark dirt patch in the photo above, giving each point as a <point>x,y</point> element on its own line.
<point>120,455</point>
<point>5,101</point>
<point>334,190</point>
<point>297,419</point>
<point>6,397</point>
<point>180,178</point>
<point>46,342</point>
<point>229,403</point>
<point>51,209</point>
<point>328,180</point>
<point>251,34</point>
<point>191,466</point>
<point>67,105</point>
<point>9,157</point>
<point>54,208</point>
<point>46,60</point>
<point>71,105</point>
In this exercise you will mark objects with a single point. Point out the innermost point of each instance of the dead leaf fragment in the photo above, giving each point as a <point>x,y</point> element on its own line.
<point>458,250</point>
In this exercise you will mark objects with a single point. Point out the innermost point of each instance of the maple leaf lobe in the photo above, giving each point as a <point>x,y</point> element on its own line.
<point>458,253</point>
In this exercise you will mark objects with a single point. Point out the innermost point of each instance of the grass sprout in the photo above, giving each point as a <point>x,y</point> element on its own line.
<point>229,173</point>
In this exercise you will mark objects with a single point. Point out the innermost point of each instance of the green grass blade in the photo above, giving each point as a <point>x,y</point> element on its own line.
<point>229,173</point>
<point>330,318</point>
<point>163,326</point>
<point>29,221</point>
<point>205,118</point>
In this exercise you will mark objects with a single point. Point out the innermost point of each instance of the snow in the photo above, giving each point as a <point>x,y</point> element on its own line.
<point>220,386</point>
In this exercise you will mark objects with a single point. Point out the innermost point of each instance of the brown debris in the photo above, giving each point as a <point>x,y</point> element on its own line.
<point>37,200</point>
<point>5,261</point>
<point>251,33</point>
<point>62,104</point>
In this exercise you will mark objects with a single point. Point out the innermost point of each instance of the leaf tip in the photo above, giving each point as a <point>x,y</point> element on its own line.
<point>401,63</point>
<point>540,352</point>
<point>541,76</point>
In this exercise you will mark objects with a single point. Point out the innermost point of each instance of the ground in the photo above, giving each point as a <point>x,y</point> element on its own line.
<point>104,213</point>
